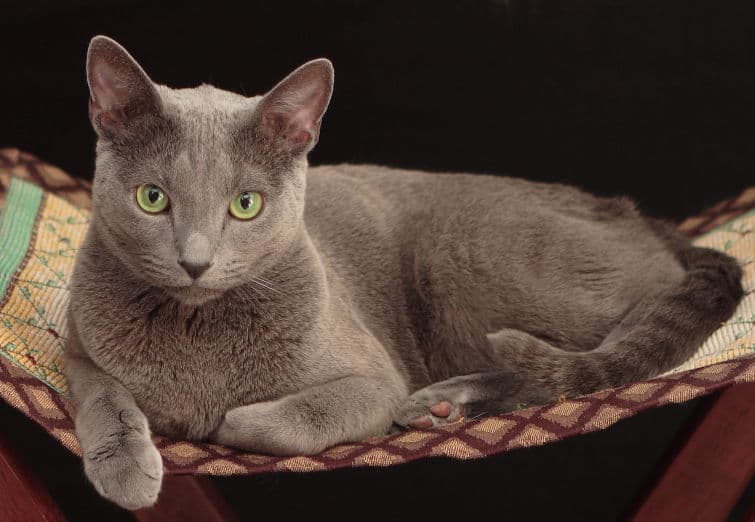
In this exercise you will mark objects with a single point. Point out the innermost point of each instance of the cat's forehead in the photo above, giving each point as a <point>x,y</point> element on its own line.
<point>207,99</point>
<point>205,120</point>
<point>200,151</point>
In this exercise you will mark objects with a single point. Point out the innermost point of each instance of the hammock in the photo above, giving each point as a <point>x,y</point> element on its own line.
<point>44,217</point>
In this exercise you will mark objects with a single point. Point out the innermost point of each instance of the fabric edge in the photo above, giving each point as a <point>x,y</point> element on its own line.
<point>21,212</point>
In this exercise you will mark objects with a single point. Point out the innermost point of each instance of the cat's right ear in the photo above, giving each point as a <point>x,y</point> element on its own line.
<point>291,113</point>
<point>120,92</point>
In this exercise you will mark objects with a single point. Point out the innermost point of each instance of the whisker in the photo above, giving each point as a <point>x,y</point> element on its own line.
<point>264,280</point>
<point>255,280</point>
<point>258,291</point>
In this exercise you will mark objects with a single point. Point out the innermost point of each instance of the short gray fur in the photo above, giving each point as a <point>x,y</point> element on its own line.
<point>358,298</point>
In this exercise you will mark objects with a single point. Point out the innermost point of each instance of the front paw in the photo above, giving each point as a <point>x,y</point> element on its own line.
<point>128,472</point>
<point>259,428</point>
<point>228,434</point>
<point>247,428</point>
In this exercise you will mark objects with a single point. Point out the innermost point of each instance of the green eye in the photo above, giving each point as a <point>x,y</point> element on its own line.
<point>151,199</point>
<point>246,205</point>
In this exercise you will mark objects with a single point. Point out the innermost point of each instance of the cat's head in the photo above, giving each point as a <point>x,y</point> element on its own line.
<point>198,190</point>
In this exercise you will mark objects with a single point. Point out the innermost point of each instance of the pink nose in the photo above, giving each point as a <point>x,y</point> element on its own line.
<point>194,269</point>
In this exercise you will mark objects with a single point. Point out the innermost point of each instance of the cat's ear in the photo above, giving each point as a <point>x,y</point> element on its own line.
<point>291,112</point>
<point>120,91</point>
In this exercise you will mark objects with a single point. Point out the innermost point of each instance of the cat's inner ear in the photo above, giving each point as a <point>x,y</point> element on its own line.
<point>120,91</point>
<point>292,111</point>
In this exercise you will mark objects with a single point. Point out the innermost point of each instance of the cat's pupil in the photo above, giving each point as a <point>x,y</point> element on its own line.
<point>153,195</point>
<point>246,201</point>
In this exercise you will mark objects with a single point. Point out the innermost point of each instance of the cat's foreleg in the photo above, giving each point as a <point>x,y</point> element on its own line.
<point>119,456</point>
<point>307,422</point>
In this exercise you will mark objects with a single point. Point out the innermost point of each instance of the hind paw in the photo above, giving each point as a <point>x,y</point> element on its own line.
<point>422,410</point>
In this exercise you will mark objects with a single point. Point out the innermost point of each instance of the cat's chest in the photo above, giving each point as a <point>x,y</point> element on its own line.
<point>186,368</point>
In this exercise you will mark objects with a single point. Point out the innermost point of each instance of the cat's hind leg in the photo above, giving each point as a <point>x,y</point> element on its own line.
<point>476,394</point>
<point>660,332</point>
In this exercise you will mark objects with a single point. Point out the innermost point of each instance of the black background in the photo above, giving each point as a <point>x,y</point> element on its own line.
<point>650,98</point>
<point>644,97</point>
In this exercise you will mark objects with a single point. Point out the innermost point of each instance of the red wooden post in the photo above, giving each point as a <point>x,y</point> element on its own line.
<point>188,499</point>
<point>712,467</point>
<point>24,497</point>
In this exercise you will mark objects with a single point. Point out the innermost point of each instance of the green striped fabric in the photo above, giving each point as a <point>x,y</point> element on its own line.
<point>17,218</point>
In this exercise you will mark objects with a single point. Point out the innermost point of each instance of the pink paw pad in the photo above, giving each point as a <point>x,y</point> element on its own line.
<point>441,409</point>
<point>421,423</point>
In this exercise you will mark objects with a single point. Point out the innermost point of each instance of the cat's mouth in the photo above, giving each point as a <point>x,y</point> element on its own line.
<point>194,294</point>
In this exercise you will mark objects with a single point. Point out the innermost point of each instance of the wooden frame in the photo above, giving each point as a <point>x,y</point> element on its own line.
<point>701,480</point>
<point>24,496</point>
<point>187,498</point>
<point>712,465</point>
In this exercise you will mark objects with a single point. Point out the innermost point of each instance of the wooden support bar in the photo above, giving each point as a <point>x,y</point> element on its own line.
<point>189,499</point>
<point>24,498</point>
<point>712,467</point>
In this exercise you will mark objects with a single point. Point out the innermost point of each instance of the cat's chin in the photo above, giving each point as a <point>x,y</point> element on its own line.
<point>193,295</point>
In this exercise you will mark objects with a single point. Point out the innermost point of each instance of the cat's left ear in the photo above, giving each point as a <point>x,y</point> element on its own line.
<point>291,112</point>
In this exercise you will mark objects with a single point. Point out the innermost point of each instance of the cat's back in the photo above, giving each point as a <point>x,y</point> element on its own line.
<point>518,238</point>
<point>364,194</point>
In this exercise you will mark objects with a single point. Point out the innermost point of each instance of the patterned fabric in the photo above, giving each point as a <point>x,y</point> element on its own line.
<point>719,214</point>
<point>22,165</point>
<point>39,234</point>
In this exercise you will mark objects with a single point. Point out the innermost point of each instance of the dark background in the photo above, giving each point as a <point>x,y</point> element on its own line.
<point>650,98</point>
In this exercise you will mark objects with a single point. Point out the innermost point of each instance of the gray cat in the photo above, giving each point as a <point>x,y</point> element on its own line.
<point>227,292</point>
